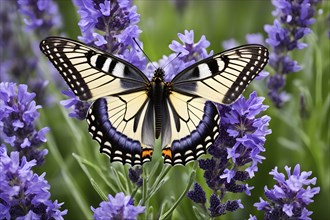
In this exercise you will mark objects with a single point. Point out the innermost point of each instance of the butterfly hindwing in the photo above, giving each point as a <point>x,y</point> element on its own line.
<point>223,77</point>
<point>192,128</point>
<point>113,141</point>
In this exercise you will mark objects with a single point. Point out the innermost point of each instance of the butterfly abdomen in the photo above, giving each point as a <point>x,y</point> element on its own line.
<point>158,96</point>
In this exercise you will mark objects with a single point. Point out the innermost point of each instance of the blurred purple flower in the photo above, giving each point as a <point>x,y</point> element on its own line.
<point>289,197</point>
<point>291,24</point>
<point>180,5</point>
<point>80,108</point>
<point>255,38</point>
<point>236,152</point>
<point>252,217</point>
<point>19,55</point>
<point>24,194</point>
<point>118,207</point>
<point>40,15</point>
<point>134,174</point>
<point>230,43</point>
<point>17,121</point>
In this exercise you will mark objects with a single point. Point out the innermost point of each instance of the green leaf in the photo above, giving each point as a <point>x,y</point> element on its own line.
<point>98,190</point>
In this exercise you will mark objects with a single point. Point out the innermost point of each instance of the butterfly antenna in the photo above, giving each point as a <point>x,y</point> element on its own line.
<point>171,60</point>
<point>143,52</point>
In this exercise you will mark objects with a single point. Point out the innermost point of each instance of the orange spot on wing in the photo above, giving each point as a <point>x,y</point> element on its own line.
<point>147,153</point>
<point>167,153</point>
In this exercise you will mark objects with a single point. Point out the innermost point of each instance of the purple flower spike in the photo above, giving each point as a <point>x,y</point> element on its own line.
<point>18,115</point>
<point>291,24</point>
<point>118,207</point>
<point>235,154</point>
<point>111,26</point>
<point>289,197</point>
<point>218,209</point>
<point>24,194</point>
<point>197,195</point>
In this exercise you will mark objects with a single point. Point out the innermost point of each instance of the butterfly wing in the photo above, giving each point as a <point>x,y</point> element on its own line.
<point>222,78</point>
<point>192,126</point>
<point>92,73</point>
<point>124,137</point>
<point>118,117</point>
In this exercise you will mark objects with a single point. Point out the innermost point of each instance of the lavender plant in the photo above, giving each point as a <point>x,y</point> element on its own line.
<point>292,22</point>
<point>24,194</point>
<point>19,55</point>
<point>17,122</point>
<point>235,155</point>
<point>290,197</point>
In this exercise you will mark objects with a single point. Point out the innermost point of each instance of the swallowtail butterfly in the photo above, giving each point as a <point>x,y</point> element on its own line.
<point>129,111</point>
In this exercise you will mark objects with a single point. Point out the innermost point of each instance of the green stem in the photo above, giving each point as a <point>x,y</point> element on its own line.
<point>191,180</point>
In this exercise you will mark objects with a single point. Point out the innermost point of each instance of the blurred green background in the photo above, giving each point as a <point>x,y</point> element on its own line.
<point>294,139</point>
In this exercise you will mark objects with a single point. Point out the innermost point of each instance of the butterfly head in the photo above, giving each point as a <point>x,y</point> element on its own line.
<point>159,74</point>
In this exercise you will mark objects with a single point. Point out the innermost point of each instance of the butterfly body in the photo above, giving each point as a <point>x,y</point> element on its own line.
<point>129,111</point>
<point>159,92</point>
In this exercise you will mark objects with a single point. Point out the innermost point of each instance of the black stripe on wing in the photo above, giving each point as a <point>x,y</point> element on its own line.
<point>113,143</point>
<point>89,72</point>
<point>223,77</point>
<point>188,148</point>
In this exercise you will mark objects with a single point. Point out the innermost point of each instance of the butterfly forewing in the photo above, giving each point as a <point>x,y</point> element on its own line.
<point>92,73</point>
<point>223,77</point>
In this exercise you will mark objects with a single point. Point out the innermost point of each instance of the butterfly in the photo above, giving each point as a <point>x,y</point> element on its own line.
<point>129,112</point>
